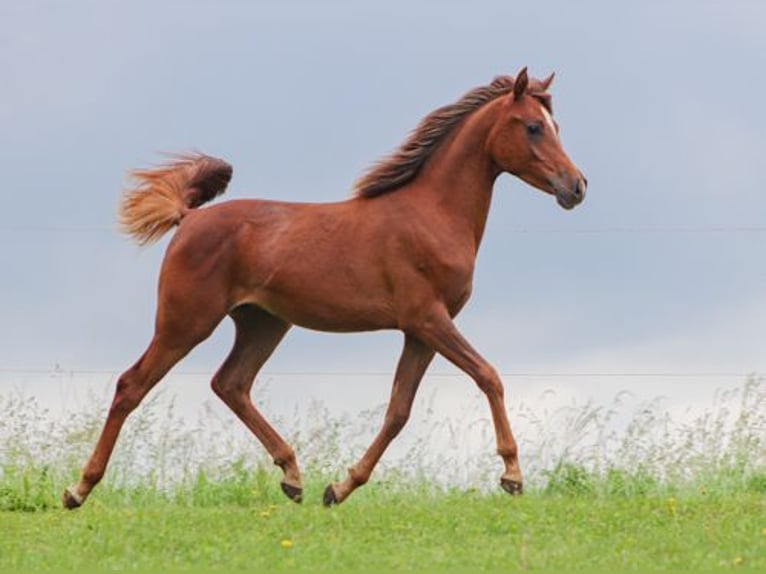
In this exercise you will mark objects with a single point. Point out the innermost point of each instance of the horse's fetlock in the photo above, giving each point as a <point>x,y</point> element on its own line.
<point>285,459</point>
<point>91,478</point>
<point>508,452</point>
<point>357,477</point>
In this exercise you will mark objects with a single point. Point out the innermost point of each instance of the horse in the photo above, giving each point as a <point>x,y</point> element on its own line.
<point>398,254</point>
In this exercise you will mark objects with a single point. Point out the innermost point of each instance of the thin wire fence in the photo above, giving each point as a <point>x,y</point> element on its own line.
<point>442,374</point>
<point>622,229</point>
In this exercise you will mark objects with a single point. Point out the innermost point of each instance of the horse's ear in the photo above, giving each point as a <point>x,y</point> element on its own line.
<point>520,83</point>
<point>546,83</point>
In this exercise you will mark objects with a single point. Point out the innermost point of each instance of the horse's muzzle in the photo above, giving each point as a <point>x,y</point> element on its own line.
<point>571,196</point>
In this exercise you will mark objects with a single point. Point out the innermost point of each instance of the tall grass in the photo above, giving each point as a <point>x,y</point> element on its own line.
<point>583,449</point>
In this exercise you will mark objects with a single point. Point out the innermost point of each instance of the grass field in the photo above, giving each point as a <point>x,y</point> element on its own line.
<point>394,528</point>
<point>696,500</point>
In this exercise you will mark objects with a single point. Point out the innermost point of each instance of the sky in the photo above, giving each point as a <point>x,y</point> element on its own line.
<point>660,270</point>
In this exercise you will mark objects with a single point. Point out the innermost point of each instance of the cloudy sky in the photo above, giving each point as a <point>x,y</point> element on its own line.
<point>661,270</point>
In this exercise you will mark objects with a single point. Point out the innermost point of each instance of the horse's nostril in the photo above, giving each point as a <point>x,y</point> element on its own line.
<point>579,189</point>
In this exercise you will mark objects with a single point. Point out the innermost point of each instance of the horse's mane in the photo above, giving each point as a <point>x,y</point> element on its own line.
<point>402,165</point>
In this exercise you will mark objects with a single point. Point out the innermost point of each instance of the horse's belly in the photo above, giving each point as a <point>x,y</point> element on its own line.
<point>335,316</point>
<point>325,305</point>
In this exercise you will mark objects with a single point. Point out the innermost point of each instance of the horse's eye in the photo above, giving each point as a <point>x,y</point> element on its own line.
<point>534,128</point>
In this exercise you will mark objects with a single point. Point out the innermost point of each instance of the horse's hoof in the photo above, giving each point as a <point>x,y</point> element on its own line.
<point>71,500</point>
<point>329,499</point>
<point>512,487</point>
<point>294,493</point>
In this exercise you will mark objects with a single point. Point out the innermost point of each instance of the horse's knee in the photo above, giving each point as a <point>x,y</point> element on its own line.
<point>489,381</point>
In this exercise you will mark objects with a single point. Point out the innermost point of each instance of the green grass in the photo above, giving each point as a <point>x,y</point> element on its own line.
<point>388,527</point>
<point>656,495</point>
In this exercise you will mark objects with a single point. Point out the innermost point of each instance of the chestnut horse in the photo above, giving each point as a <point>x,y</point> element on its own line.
<point>399,255</point>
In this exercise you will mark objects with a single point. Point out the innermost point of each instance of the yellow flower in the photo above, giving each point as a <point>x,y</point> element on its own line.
<point>286,543</point>
<point>671,502</point>
<point>738,561</point>
<point>763,531</point>
<point>265,514</point>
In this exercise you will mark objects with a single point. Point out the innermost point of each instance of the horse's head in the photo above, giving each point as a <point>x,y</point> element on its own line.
<point>525,142</point>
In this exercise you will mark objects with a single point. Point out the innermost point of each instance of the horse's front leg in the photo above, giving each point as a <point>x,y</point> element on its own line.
<point>412,365</point>
<point>435,328</point>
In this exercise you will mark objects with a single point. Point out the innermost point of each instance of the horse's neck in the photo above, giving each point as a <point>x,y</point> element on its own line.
<point>459,177</point>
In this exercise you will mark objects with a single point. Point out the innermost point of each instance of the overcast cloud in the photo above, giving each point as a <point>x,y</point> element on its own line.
<point>660,104</point>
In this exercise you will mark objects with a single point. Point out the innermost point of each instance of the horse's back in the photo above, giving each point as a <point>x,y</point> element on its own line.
<point>311,264</point>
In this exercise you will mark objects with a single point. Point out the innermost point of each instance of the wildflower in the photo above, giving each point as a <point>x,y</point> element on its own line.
<point>738,561</point>
<point>265,514</point>
<point>671,502</point>
<point>286,543</point>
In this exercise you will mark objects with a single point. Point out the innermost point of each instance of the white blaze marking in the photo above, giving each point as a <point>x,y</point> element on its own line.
<point>548,118</point>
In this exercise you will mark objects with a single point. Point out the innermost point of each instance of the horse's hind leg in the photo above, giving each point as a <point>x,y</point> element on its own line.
<point>180,327</point>
<point>132,387</point>
<point>257,335</point>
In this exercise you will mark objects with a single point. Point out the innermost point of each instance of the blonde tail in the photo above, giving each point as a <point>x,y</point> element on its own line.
<point>165,194</point>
